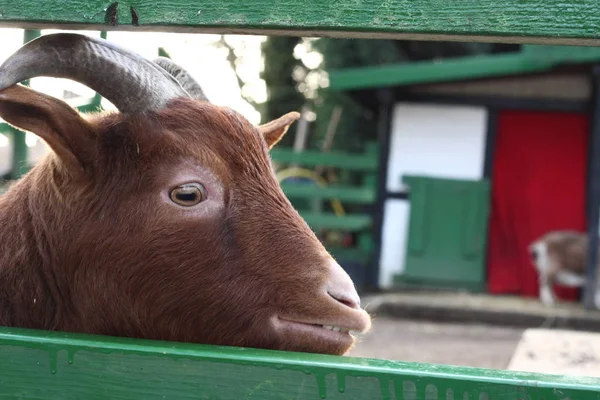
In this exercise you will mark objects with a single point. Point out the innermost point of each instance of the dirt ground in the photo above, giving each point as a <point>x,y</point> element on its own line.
<point>429,342</point>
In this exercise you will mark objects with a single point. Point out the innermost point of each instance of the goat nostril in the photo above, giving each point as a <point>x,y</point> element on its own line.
<point>347,299</point>
<point>341,288</point>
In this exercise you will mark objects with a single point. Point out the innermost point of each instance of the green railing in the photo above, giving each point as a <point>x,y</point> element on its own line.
<point>311,199</point>
<point>528,21</point>
<point>52,365</point>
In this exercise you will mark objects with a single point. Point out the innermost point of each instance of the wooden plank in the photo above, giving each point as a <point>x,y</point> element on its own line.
<point>312,158</point>
<point>52,365</point>
<point>351,223</point>
<point>355,255</point>
<point>531,59</point>
<point>356,195</point>
<point>516,21</point>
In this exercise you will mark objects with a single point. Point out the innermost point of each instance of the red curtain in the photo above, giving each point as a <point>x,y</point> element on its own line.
<point>538,185</point>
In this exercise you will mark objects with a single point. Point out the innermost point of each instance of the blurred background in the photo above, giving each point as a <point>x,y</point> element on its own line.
<point>426,168</point>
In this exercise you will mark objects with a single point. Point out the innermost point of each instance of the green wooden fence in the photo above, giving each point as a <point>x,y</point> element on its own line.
<point>517,21</point>
<point>43,365</point>
<point>47,365</point>
<point>356,220</point>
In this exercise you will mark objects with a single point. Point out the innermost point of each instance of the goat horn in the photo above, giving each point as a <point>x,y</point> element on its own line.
<point>183,77</point>
<point>132,83</point>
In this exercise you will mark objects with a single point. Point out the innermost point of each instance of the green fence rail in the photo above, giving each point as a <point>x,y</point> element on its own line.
<point>362,194</point>
<point>312,158</point>
<point>359,195</point>
<point>530,59</point>
<point>528,21</point>
<point>53,365</point>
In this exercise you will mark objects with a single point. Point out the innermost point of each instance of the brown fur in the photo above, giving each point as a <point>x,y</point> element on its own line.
<point>568,250</point>
<point>560,257</point>
<point>97,247</point>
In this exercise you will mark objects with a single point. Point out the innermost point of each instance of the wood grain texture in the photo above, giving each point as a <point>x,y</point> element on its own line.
<point>534,21</point>
<point>53,365</point>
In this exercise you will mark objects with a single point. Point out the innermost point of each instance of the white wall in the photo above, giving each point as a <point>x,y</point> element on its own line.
<point>426,139</point>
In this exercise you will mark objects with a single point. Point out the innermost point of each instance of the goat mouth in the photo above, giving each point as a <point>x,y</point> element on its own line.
<point>320,326</point>
<point>324,331</point>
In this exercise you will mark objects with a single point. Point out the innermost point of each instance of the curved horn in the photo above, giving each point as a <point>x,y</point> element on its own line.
<point>132,83</point>
<point>183,77</point>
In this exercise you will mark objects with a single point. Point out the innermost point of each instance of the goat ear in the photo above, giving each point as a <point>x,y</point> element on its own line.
<point>273,131</point>
<point>65,131</point>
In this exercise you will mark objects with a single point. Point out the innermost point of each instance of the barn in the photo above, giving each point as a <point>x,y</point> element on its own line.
<point>479,156</point>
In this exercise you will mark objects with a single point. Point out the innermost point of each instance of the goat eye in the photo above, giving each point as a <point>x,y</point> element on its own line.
<point>188,195</point>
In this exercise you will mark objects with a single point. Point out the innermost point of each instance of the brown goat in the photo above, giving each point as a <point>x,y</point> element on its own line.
<point>161,221</point>
<point>560,258</point>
